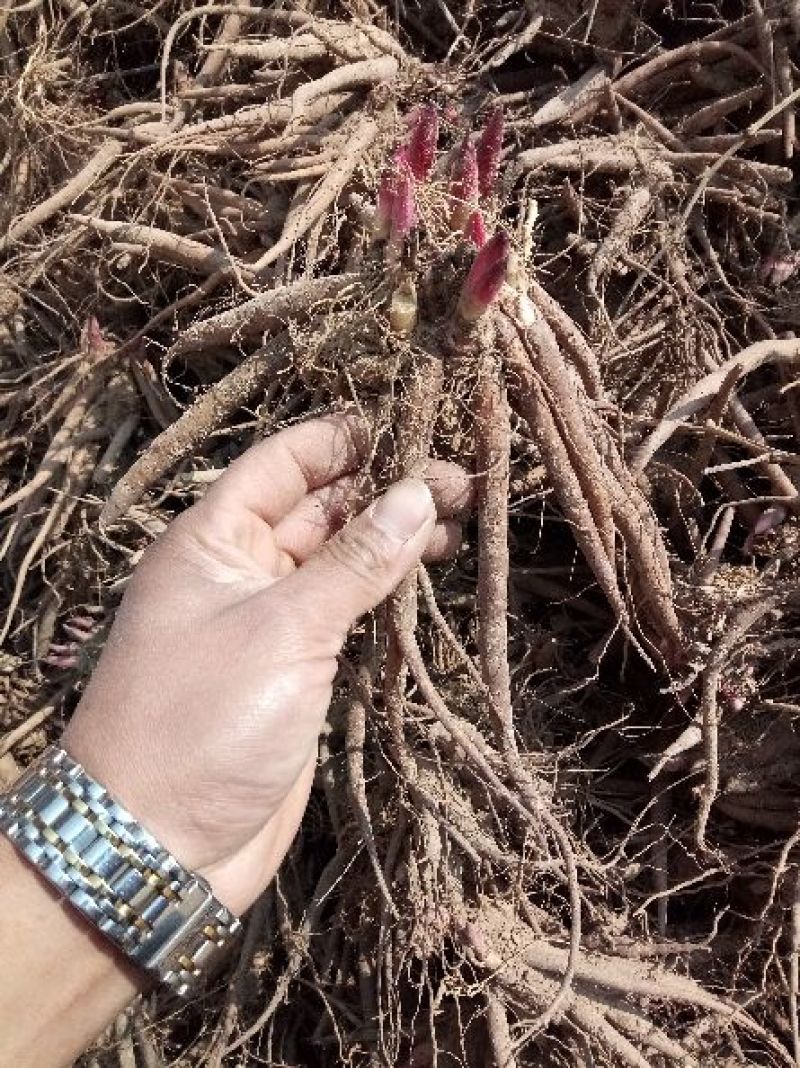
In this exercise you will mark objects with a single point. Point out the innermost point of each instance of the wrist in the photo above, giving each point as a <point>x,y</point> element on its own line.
<point>53,960</point>
<point>163,917</point>
<point>191,827</point>
<point>142,790</point>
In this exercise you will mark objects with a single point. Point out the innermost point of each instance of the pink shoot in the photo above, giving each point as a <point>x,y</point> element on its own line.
<point>61,656</point>
<point>404,214</point>
<point>81,628</point>
<point>770,519</point>
<point>411,118</point>
<point>490,149</point>
<point>777,269</point>
<point>475,230</point>
<point>423,141</point>
<point>94,335</point>
<point>486,277</point>
<point>404,208</point>
<point>382,221</point>
<point>464,185</point>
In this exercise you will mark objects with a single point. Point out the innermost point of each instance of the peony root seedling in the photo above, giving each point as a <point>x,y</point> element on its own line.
<point>486,278</point>
<point>423,142</point>
<point>490,150</point>
<point>464,185</point>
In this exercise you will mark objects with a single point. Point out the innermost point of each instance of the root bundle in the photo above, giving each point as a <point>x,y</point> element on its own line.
<point>555,818</point>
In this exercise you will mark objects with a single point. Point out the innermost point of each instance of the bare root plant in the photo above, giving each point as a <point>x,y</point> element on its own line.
<point>555,820</point>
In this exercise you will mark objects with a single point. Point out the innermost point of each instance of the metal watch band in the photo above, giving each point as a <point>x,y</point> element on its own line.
<point>163,917</point>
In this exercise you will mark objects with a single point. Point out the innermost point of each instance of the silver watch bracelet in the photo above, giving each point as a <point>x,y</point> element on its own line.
<point>164,918</point>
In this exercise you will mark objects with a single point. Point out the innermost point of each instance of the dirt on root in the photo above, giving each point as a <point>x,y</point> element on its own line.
<point>571,753</point>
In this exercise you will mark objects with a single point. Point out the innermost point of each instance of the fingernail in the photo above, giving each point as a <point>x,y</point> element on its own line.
<point>404,509</point>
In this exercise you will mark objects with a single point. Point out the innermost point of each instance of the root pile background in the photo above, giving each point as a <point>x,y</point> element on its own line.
<point>555,819</point>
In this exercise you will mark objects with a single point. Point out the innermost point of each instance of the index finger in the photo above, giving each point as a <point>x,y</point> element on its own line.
<point>277,473</point>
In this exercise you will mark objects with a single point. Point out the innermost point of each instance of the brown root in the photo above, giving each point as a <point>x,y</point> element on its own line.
<point>207,413</point>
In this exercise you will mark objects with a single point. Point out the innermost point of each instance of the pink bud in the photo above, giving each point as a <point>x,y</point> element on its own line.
<point>769,519</point>
<point>464,184</point>
<point>94,335</point>
<point>733,698</point>
<point>490,149</point>
<point>486,277</point>
<point>475,230</point>
<point>383,208</point>
<point>382,223</point>
<point>404,208</point>
<point>776,270</point>
<point>423,142</point>
<point>411,118</point>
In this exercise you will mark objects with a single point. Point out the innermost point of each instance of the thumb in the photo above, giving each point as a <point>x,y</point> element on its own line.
<point>365,561</point>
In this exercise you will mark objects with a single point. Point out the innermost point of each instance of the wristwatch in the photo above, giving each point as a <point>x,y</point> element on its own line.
<point>164,918</point>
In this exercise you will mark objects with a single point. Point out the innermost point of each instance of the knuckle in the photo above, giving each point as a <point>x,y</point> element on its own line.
<point>167,545</point>
<point>363,553</point>
<point>180,548</point>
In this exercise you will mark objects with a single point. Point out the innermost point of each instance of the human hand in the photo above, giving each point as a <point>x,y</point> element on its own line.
<point>203,714</point>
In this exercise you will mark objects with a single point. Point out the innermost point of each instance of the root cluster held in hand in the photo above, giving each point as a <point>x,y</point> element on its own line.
<point>556,819</point>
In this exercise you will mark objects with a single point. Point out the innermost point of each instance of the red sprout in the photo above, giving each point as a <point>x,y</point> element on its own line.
<point>475,230</point>
<point>404,208</point>
<point>411,118</point>
<point>490,149</point>
<point>94,334</point>
<point>423,141</point>
<point>387,190</point>
<point>486,277</point>
<point>383,209</point>
<point>770,519</point>
<point>777,269</point>
<point>464,185</point>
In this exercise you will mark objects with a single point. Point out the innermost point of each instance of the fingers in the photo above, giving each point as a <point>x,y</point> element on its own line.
<point>273,476</point>
<point>316,518</point>
<point>361,565</point>
<point>319,515</point>
<point>453,489</point>
<point>444,542</point>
